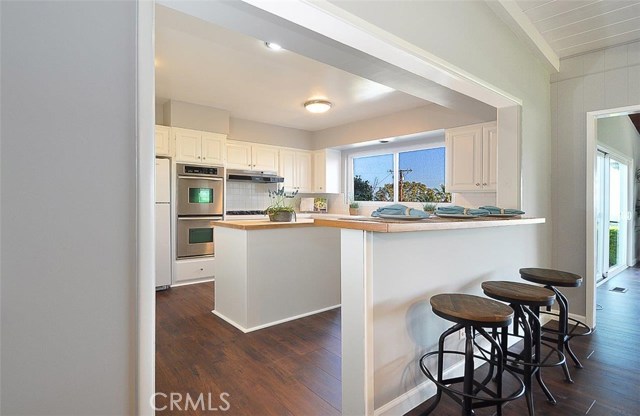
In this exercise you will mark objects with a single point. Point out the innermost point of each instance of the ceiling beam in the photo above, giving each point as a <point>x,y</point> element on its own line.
<point>518,21</point>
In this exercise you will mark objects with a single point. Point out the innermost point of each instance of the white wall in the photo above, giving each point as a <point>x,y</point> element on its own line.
<point>416,120</point>
<point>68,171</point>
<point>196,117</point>
<point>600,80</point>
<point>254,131</point>
<point>619,133</point>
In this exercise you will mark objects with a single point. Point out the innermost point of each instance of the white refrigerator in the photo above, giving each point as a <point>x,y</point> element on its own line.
<point>163,223</point>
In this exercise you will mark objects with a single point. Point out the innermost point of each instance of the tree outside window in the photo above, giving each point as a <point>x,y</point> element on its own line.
<point>420,177</point>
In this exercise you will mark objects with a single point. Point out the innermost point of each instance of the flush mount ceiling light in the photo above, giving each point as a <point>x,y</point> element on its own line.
<point>273,46</point>
<point>317,106</point>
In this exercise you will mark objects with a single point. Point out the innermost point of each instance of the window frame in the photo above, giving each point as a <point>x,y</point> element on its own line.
<point>395,150</point>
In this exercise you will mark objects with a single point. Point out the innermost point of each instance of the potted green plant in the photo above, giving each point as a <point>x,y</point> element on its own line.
<point>429,208</point>
<point>280,210</point>
<point>353,208</point>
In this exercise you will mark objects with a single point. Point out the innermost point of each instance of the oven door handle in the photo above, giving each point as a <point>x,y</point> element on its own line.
<point>200,218</point>
<point>200,177</point>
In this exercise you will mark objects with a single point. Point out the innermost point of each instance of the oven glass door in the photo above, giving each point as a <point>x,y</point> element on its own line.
<point>195,237</point>
<point>199,196</point>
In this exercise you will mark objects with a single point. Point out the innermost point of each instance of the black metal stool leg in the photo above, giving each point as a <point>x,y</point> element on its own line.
<point>563,324</point>
<point>527,354</point>
<point>467,408</point>
<point>441,340</point>
<point>568,337</point>
<point>536,331</point>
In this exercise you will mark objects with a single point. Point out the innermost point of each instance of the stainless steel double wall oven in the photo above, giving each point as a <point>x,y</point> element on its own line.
<point>200,192</point>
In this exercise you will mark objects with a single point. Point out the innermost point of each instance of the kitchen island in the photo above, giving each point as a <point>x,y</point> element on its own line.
<point>389,271</point>
<point>383,273</point>
<point>272,272</point>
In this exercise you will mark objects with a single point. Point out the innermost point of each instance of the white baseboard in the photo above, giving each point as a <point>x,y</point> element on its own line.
<point>544,318</point>
<point>427,389</point>
<point>193,282</point>
<point>268,324</point>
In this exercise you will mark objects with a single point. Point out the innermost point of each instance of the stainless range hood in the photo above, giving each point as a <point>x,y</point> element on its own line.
<point>253,176</point>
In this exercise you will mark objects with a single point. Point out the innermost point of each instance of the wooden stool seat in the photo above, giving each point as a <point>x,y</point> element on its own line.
<point>471,310</point>
<point>522,293</point>
<point>551,277</point>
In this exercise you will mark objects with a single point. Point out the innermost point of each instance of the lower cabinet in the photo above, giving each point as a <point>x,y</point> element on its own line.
<point>192,270</point>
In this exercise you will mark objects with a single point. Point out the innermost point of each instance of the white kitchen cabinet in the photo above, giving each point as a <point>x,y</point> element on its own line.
<point>264,158</point>
<point>190,270</point>
<point>326,171</point>
<point>163,141</point>
<point>199,146</point>
<point>251,156</point>
<point>490,157</point>
<point>471,158</point>
<point>295,168</point>
<point>238,155</point>
<point>213,148</point>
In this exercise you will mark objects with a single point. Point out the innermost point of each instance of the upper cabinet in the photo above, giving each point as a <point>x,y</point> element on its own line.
<point>295,168</point>
<point>251,156</point>
<point>199,146</point>
<point>326,171</point>
<point>471,158</point>
<point>163,141</point>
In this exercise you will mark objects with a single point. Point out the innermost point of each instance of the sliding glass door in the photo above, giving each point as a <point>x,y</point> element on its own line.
<point>612,214</point>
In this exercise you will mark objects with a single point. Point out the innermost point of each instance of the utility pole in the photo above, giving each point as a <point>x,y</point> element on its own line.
<point>402,173</point>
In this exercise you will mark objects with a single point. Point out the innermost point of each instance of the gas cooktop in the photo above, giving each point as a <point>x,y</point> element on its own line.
<point>254,212</point>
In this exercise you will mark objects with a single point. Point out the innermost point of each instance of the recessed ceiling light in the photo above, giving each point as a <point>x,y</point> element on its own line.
<point>273,46</point>
<point>317,106</point>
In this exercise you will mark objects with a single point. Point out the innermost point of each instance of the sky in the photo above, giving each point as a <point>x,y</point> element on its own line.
<point>427,167</point>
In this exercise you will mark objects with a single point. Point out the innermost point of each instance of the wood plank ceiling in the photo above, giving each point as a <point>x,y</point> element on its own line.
<point>573,27</point>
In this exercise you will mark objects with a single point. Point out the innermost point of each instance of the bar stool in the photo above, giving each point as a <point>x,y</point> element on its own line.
<point>550,279</point>
<point>473,314</point>
<point>529,361</point>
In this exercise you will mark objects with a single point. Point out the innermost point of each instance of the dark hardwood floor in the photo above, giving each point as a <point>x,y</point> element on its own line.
<point>294,368</point>
<point>288,369</point>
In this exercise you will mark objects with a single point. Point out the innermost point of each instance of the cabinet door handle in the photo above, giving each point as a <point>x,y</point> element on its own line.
<point>484,184</point>
<point>204,158</point>
<point>477,184</point>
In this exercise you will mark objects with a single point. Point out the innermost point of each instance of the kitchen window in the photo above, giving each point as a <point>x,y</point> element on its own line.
<point>409,174</point>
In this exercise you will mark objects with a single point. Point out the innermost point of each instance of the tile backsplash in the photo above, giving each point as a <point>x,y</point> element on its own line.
<point>243,196</point>
<point>248,196</point>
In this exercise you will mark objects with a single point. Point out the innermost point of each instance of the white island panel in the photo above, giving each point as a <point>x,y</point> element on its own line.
<point>269,275</point>
<point>231,275</point>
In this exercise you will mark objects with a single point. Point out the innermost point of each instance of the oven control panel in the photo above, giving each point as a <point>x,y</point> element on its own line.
<point>195,170</point>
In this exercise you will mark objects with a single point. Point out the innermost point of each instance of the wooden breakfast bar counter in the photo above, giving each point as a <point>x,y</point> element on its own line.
<point>388,270</point>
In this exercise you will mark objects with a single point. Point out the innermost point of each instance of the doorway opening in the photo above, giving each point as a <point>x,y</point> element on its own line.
<point>318,34</point>
<point>613,151</point>
<point>612,213</point>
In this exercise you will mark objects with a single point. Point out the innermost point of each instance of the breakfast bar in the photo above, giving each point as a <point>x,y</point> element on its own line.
<point>389,271</point>
<point>383,273</point>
